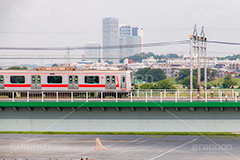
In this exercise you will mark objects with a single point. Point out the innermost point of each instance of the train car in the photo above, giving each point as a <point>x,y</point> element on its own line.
<point>56,80</point>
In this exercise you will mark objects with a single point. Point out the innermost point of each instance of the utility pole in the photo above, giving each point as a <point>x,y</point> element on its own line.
<point>204,53</point>
<point>191,50</point>
<point>199,67</point>
<point>68,56</point>
<point>193,45</point>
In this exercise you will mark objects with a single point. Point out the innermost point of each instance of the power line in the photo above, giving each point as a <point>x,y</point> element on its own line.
<point>158,44</point>
<point>227,43</point>
<point>61,58</point>
<point>101,47</point>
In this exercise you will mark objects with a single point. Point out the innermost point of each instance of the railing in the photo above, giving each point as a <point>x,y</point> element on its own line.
<point>138,95</point>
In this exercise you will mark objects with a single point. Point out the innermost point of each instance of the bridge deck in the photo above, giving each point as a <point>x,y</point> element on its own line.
<point>121,104</point>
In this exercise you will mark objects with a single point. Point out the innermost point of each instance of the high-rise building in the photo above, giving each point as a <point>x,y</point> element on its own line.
<point>128,36</point>
<point>125,30</point>
<point>111,38</point>
<point>92,52</point>
<point>139,31</point>
<point>131,40</point>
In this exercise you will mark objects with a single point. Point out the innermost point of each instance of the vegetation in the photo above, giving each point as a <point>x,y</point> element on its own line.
<point>150,75</point>
<point>55,65</point>
<point>164,84</point>
<point>186,82</point>
<point>211,74</point>
<point>228,82</point>
<point>233,57</point>
<point>140,56</point>
<point>17,68</point>
<point>125,133</point>
<point>176,83</point>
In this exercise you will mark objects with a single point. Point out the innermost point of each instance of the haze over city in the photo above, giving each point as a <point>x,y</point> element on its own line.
<point>74,23</point>
<point>119,79</point>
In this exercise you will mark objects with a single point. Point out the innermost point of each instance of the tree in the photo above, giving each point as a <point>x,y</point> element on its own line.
<point>233,57</point>
<point>17,68</point>
<point>148,86</point>
<point>227,83</point>
<point>150,75</point>
<point>143,71</point>
<point>183,73</point>
<point>164,84</point>
<point>186,82</point>
<point>157,75</point>
<point>140,56</point>
<point>211,74</point>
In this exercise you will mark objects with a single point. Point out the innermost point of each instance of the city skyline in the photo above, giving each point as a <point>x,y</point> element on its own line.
<point>31,24</point>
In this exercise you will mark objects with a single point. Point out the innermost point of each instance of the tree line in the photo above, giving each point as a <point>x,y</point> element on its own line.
<point>156,79</point>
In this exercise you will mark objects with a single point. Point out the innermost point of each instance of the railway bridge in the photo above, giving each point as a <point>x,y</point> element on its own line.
<point>140,111</point>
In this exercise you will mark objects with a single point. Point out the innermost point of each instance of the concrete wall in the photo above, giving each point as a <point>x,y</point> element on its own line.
<point>125,120</point>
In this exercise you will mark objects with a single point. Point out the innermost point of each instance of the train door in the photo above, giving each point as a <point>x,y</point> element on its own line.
<point>123,81</point>
<point>36,82</point>
<point>1,82</point>
<point>73,82</point>
<point>110,82</point>
<point>113,82</point>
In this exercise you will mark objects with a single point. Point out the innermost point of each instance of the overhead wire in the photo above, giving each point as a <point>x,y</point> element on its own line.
<point>99,47</point>
<point>221,42</point>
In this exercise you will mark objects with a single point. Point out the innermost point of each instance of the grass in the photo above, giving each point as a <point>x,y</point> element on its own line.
<point>225,137</point>
<point>174,82</point>
<point>221,80</point>
<point>236,80</point>
<point>214,82</point>
<point>125,133</point>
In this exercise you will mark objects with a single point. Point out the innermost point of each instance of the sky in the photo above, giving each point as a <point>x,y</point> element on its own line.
<point>42,23</point>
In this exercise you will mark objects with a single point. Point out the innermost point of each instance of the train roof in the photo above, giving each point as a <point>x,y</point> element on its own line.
<point>68,71</point>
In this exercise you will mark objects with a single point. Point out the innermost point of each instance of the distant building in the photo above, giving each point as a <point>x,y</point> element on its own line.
<point>129,36</point>
<point>125,31</point>
<point>111,38</point>
<point>139,31</point>
<point>165,67</point>
<point>149,61</point>
<point>92,52</point>
<point>128,61</point>
<point>234,65</point>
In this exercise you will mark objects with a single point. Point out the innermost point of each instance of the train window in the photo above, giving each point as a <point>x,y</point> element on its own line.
<point>2,79</point>
<point>92,79</point>
<point>33,79</point>
<point>54,79</point>
<point>108,79</point>
<point>113,79</point>
<point>76,79</point>
<point>70,79</point>
<point>38,79</point>
<point>123,79</point>
<point>17,79</point>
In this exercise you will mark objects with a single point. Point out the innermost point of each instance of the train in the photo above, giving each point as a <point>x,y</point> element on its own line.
<point>66,80</point>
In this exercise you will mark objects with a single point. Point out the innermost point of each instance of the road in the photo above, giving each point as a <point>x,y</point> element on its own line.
<point>119,147</point>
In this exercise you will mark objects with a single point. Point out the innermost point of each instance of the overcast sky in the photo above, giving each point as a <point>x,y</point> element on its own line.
<point>26,23</point>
